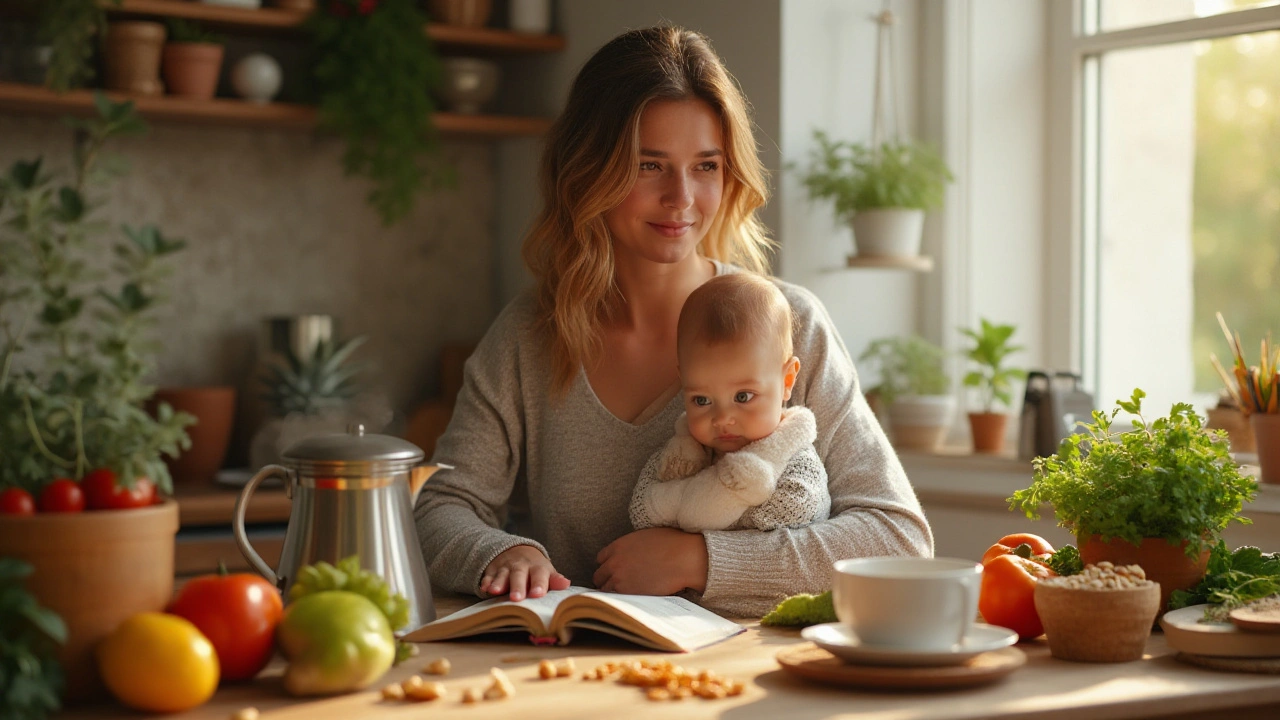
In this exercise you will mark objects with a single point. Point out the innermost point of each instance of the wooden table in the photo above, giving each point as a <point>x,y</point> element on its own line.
<point>1156,686</point>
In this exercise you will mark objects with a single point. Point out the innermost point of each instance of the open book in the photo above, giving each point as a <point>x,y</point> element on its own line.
<point>662,623</point>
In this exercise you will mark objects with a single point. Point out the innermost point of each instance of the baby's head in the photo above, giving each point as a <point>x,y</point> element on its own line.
<point>734,349</point>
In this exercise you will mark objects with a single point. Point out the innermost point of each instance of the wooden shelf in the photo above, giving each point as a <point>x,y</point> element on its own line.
<point>450,38</point>
<point>15,97</point>
<point>917,264</point>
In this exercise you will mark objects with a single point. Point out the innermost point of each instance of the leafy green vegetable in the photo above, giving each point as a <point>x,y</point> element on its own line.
<point>1166,479</point>
<point>30,676</point>
<point>802,610</point>
<point>861,177</point>
<point>990,347</point>
<point>1065,561</point>
<point>1233,578</point>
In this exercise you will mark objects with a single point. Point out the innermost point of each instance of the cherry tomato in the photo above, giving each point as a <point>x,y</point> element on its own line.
<point>103,492</point>
<point>62,495</point>
<point>1038,548</point>
<point>16,501</point>
<point>1007,597</point>
<point>238,613</point>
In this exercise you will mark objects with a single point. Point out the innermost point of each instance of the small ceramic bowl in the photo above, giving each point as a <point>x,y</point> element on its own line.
<point>468,84</point>
<point>1089,625</point>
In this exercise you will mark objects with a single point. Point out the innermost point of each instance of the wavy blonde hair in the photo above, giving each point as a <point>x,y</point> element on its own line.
<point>591,162</point>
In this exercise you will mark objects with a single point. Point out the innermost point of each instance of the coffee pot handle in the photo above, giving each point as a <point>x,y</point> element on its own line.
<point>237,525</point>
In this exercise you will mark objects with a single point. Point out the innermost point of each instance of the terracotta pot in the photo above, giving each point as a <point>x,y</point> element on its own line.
<point>1239,430</point>
<point>95,569</point>
<point>1097,625</point>
<point>215,411</point>
<point>988,431</point>
<point>191,69</point>
<point>1162,561</point>
<point>469,13</point>
<point>133,57</point>
<point>1266,432</point>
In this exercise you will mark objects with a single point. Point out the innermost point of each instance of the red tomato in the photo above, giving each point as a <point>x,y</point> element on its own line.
<point>16,501</point>
<point>1039,548</point>
<point>238,613</point>
<point>62,495</point>
<point>1008,594</point>
<point>103,492</point>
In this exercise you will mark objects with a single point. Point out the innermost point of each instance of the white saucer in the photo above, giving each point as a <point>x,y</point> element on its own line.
<point>837,639</point>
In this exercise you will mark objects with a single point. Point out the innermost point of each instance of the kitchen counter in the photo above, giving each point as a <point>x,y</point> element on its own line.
<point>1156,686</point>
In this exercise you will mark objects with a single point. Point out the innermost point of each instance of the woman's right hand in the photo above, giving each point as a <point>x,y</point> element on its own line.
<point>519,570</point>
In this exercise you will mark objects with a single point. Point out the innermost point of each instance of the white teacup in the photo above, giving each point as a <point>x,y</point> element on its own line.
<point>905,602</point>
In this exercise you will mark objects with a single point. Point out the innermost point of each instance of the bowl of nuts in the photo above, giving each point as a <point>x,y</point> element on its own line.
<point>1103,614</point>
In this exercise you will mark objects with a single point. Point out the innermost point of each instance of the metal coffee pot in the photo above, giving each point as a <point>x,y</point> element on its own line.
<point>352,494</point>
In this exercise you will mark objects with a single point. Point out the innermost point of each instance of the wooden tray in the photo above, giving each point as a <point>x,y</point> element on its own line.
<point>813,663</point>
<point>1184,633</point>
<point>1268,666</point>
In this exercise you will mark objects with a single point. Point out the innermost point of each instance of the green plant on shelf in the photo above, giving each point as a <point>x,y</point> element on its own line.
<point>858,177</point>
<point>76,349</point>
<point>373,72</point>
<point>71,29</point>
<point>990,348</point>
<point>188,31</point>
<point>908,366</point>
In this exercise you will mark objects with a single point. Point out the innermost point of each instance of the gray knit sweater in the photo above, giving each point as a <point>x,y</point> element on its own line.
<point>559,474</point>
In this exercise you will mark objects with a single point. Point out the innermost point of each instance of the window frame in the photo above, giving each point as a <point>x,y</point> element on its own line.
<point>1075,50</point>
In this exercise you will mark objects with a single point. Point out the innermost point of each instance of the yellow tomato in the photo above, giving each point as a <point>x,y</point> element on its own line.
<point>158,662</point>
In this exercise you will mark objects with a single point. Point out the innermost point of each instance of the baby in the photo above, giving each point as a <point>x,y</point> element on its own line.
<point>739,458</point>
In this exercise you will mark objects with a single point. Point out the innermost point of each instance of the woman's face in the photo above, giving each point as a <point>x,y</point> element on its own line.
<point>678,186</point>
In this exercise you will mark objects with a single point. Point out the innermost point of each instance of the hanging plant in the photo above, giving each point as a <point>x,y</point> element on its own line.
<point>70,28</point>
<point>373,71</point>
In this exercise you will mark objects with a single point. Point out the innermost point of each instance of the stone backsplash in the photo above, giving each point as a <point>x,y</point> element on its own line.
<point>274,228</point>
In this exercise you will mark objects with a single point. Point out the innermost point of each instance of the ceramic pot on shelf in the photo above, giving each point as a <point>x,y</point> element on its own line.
<point>1266,434</point>
<point>469,83</point>
<point>529,16</point>
<point>133,52</point>
<point>191,69</point>
<point>256,77</point>
<point>920,422</point>
<point>988,429</point>
<point>467,13</point>
<point>888,232</point>
<point>214,409</point>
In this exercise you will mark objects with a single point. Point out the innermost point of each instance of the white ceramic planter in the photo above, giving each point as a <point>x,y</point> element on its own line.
<point>920,422</point>
<point>888,232</point>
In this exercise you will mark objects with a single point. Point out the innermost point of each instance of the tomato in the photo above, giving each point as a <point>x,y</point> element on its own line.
<point>16,501</point>
<point>238,613</point>
<point>1008,593</point>
<point>1037,547</point>
<point>103,492</point>
<point>158,662</point>
<point>62,496</point>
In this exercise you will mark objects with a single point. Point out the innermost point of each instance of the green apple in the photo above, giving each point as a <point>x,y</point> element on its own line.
<point>335,642</point>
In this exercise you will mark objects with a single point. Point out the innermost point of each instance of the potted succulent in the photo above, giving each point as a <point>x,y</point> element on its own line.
<point>192,60</point>
<point>915,389</point>
<point>1159,495</point>
<point>373,73</point>
<point>990,348</point>
<point>72,394</point>
<point>883,191</point>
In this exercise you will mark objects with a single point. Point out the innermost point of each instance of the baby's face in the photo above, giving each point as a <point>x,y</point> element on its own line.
<point>734,392</point>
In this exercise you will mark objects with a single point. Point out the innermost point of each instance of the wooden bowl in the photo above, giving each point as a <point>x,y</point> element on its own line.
<point>1089,625</point>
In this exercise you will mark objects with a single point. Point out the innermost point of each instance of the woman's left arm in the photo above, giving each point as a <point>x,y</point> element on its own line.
<point>874,510</point>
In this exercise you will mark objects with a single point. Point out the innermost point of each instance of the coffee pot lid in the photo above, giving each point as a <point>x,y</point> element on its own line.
<point>353,446</point>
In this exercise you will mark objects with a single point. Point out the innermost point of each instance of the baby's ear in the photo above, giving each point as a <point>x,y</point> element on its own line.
<point>790,370</point>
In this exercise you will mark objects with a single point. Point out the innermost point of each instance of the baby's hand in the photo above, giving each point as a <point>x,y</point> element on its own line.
<point>747,476</point>
<point>682,457</point>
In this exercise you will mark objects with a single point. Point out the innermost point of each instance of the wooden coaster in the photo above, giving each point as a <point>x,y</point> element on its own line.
<point>812,662</point>
<point>1265,621</point>
<point>1269,666</point>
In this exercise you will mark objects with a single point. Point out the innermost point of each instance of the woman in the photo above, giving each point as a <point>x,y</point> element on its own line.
<point>651,183</point>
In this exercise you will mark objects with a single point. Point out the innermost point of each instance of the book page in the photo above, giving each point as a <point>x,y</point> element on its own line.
<point>544,608</point>
<point>682,622</point>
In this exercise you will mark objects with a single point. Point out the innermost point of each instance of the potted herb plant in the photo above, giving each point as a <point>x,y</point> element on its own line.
<point>883,191</point>
<point>373,73</point>
<point>192,60</point>
<point>915,389</point>
<point>72,393</point>
<point>1159,495</point>
<point>994,381</point>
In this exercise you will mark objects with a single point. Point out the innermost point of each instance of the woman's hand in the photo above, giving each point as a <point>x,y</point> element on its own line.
<point>521,569</point>
<point>654,561</point>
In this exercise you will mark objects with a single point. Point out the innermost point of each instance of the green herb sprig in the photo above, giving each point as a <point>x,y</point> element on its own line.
<point>1169,479</point>
<point>1066,561</point>
<point>1232,579</point>
<point>30,677</point>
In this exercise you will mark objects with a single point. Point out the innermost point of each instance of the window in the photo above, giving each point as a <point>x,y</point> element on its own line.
<point>1177,190</point>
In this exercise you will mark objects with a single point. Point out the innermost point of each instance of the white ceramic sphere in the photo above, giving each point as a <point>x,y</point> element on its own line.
<point>257,77</point>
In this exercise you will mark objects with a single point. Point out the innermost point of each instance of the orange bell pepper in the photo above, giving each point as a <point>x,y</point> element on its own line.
<point>1037,547</point>
<point>1007,597</point>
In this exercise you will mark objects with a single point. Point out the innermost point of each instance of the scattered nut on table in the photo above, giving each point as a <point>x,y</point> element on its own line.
<point>471,695</point>
<point>664,680</point>
<point>394,691</point>
<point>501,687</point>
<point>439,666</point>
<point>426,691</point>
<point>249,713</point>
